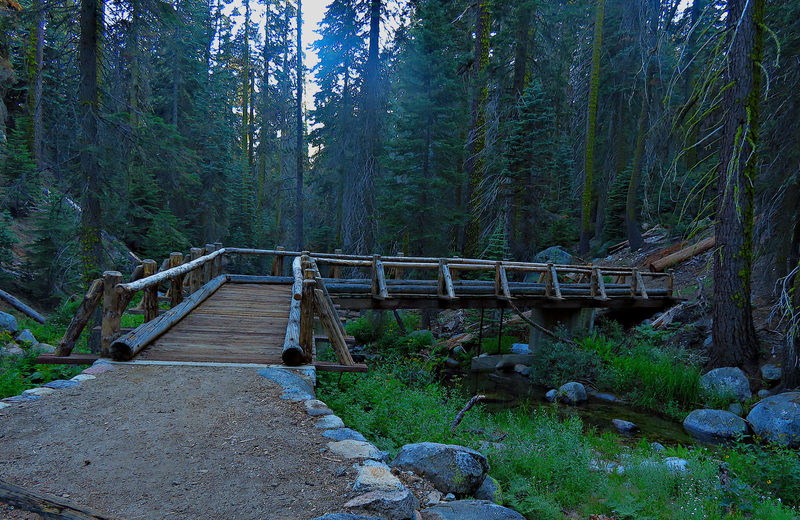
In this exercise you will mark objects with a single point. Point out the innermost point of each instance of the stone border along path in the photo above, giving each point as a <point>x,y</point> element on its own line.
<point>381,493</point>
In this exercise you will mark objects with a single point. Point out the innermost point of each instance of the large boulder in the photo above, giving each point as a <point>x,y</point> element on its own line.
<point>393,505</point>
<point>470,510</point>
<point>8,323</point>
<point>490,490</point>
<point>714,425</point>
<point>553,255</point>
<point>727,381</point>
<point>450,468</point>
<point>571,393</point>
<point>777,418</point>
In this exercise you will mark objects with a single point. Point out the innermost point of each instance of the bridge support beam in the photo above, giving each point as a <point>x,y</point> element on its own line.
<point>573,320</point>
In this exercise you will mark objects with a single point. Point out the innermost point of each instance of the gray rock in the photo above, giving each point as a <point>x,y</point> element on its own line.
<point>60,384</point>
<point>21,398</point>
<point>41,390</point>
<point>27,338</point>
<point>316,408</point>
<point>763,393</point>
<point>676,464</point>
<point>727,380</point>
<point>777,419</point>
<point>571,393</point>
<point>44,348</point>
<point>450,468</point>
<point>393,505</point>
<point>657,446</point>
<point>452,363</point>
<point>350,449</point>
<point>624,426</point>
<point>521,348</point>
<point>490,490</point>
<point>505,364</point>
<point>554,255</point>
<point>522,369</point>
<point>346,516</point>
<point>330,422</point>
<point>8,323</point>
<point>11,350</point>
<point>460,351</point>
<point>551,395</point>
<point>343,434</point>
<point>470,510</point>
<point>4,405</point>
<point>375,476</point>
<point>708,342</point>
<point>606,398</point>
<point>295,386</point>
<point>736,409</point>
<point>83,377</point>
<point>448,497</point>
<point>714,425</point>
<point>771,373</point>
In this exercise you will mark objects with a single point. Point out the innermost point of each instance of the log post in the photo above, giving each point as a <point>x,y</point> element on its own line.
<point>195,278</point>
<point>329,317</point>
<point>379,291</point>
<point>90,301</point>
<point>445,285</point>
<point>277,262</point>
<point>671,283</point>
<point>640,284</point>
<point>320,285</point>
<point>501,290</point>
<point>552,287</point>
<point>336,270</point>
<point>217,261</point>
<point>307,315</point>
<point>111,316</point>
<point>634,283</point>
<point>150,294</point>
<point>208,267</point>
<point>176,283</point>
<point>398,271</point>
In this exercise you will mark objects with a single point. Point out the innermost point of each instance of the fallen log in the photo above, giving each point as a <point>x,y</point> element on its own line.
<point>126,347</point>
<point>21,307</point>
<point>48,506</point>
<point>682,255</point>
<point>293,353</point>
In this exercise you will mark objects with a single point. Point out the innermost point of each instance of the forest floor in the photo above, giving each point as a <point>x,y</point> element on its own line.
<point>172,442</point>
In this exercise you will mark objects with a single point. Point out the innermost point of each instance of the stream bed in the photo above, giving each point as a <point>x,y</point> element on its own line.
<point>510,391</point>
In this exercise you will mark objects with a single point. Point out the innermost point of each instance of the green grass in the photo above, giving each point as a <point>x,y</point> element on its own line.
<point>543,462</point>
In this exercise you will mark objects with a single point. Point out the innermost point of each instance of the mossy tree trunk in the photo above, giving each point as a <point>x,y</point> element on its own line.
<point>735,342</point>
<point>91,28</point>
<point>591,120</point>
<point>476,140</point>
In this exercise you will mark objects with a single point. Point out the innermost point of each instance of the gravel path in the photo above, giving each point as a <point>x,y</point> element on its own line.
<point>173,442</point>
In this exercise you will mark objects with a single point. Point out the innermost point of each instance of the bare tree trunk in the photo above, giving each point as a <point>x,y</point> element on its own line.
<point>91,26</point>
<point>735,342</point>
<point>36,98</point>
<point>299,152</point>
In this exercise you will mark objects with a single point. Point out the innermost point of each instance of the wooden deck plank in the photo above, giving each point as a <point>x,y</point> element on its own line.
<point>239,323</point>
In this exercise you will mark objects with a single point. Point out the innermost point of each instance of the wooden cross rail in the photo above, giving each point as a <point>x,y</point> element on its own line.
<point>200,270</point>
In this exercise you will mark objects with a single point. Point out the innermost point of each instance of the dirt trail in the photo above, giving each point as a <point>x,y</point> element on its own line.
<point>173,442</point>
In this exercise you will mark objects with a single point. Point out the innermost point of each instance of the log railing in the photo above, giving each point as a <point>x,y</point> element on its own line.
<point>190,279</point>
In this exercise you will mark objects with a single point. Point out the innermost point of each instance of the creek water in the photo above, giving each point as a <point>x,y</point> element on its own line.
<point>509,391</point>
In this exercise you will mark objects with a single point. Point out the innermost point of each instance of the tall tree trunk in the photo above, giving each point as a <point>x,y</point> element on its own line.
<point>473,164</point>
<point>371,126</point>
<point>91,27</point>
<point>299,152</point>
<point>591,120</point>
<point>37,35</point>
<point>632,199</point>
<point>246,84</point>
<point>735,342</point>
<point>524,12</point>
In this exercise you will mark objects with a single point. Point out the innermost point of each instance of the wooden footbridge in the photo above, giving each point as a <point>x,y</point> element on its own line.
<point>270,319</point>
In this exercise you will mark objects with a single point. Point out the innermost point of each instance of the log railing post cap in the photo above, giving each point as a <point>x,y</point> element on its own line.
<point>111,274</point>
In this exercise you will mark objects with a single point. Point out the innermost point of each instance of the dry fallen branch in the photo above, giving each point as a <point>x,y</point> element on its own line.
<point>538,327</point>
<point>472,402</point>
